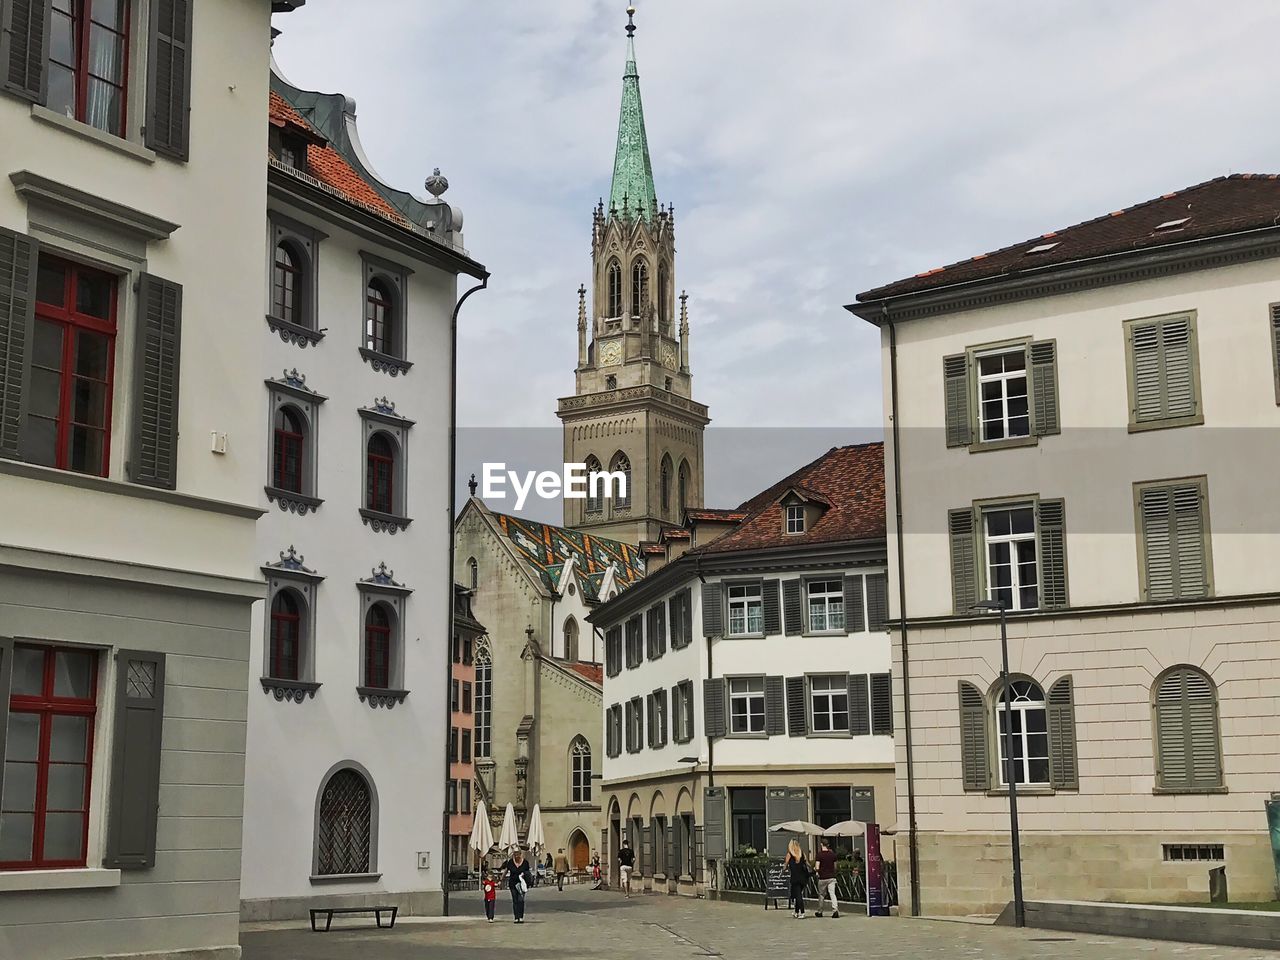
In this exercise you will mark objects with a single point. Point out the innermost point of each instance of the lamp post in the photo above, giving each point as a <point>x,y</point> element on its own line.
<point>1019,909</point>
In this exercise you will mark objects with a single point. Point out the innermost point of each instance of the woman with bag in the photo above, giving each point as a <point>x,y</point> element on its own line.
<point>799,870</point>
<point>519,880</point>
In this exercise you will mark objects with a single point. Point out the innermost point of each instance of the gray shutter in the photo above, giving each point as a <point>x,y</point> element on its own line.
<point>1044,386</point>
<point>1173,537</point>
<point>1188,526</point>
<point>777,809</point>
<point>712,610</point>
<point>855,617</point>
<point>1187,732</point>
<point>1202,733</point>
<point>877,602</point>
<point>859,705</point>
<point>153,455</point>
<point>792,616</point>
<point>651,728</point>
<point>134,787</point>
<point>1051,522</point>
<point>974,757</point>
<point>6,676</point>
<point>964,559</point>
<point>24,47</point>
<point>1063,768</point>
<point>18,255</point>
<point>688,617</point>
<point>1144,348</point>
<point>646,849</point>
<point>881,704</point>
<point>1178,363</point>
<point>955,378</point>
<point>1275,345</point>
<point>673,850</point>
<point>713,839</point>
<point>797,707</point>
<point>167,126</point>
<point>713,719</point>
<point>769,604</point>
<point>775,706</point>
<point>1154,508</point>
<point>676,720</point>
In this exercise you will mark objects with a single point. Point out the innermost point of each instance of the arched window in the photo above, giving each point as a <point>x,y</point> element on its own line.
<point>379,319</point>
<point>377,647</point>
<point>1188,745</point>
<point>288,450</point>
<point>621,464</point>
<point>381,474</point>
<point>595,498</point>
<point>613,283</point>
<point>664,298</point>
<point>664,485</point>
<point>473,568</point>
<point>580,765</point>
<point>1030,721</point>
<point>287,286</point>
<point>571,638</point>
<point>346,821</point>
<point>483,716</point>
<point>684,486</point>
<point>286,635</point>
<point>639,287</point>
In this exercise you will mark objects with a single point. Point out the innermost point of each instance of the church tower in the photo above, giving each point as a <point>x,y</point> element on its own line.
<point>633,409</point>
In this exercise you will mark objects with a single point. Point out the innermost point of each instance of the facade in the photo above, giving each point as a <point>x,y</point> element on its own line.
<point>460,799</point>
<point>1083,418</point>
<point>633,410</point>
<point>130,470</point>
<point>537,706</point>
<point>345,789</point>
<point>747,681</point>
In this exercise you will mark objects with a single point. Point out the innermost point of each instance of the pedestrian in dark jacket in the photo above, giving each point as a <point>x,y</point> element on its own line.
<point>799,870</point>
<point>519,879</point>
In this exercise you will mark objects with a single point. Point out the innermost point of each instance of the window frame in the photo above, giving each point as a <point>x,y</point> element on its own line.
<point>290,573</point>
<point>621,463</point>
<point>634,724</point>
<point>580,771</point>
<point>746,601</point>
<point>371,867</point>
<point>750,696</point>
<point>383,419</point>
<point>291,391</point>
<point>482,704</point>
<point>810,694</point>
<point>614,307</point>
<point>392,359</point>
<point>383,635</point>
<point>381,590</point>
<point>794,519</point>
<point>634,641</point>
<point>682,712</point>
<point>1144,586</point>
<point>1021,738</point>
<point>305,242</point>
<point>838,596</point>
<point>81,16</point>
<point>1193,346</point>
<point>655,631</point>
<point>976,356</point>
<point>1161,788</point>
<point>983,508</point>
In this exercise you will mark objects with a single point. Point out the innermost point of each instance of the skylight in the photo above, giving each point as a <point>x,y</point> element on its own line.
<point>1043,247</point>
<point>1170,225</point>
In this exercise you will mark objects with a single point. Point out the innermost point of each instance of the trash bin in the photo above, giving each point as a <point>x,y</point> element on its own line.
<point>1218,885</point>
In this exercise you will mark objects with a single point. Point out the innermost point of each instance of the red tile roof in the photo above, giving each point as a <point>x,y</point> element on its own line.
<point>1215,208</point>
<point>851,479</point>
<point>714,513</point>
<point>592,671</point>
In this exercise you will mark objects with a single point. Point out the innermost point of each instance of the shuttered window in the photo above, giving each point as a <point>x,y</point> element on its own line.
<point>613,651</point>
<point>829,703</point>
<point>1275,346</point>
<point>679,619</point>
<point>153,454</point>
<point>168,124</point>
<point>656,630</point>
<point>713,707</point>
<point>975,760</point>
<point>1188,748</point>
<point>881,704</point>
<point>1063,768</point>
<point>1023,552</point>
<point>613,731</point>
<point>1001,394</point>
<point>1163,377</point>
<point>134,805</point>
<point>746,706</point>
<point>24,45</point>
<point>1173,543</point>
<point>855,620</point>
<point>635,642</point>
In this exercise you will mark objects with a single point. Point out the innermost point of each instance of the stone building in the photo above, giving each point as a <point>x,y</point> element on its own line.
<point>459,793</point>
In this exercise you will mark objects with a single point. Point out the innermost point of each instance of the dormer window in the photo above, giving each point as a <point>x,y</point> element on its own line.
<point>293,152</point>
<point>795,519</point>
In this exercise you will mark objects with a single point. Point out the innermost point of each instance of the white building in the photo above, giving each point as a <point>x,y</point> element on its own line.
<point>346,769</point>
<point>130,469</point>
<point>1086,421</point>
<point>747,679</point>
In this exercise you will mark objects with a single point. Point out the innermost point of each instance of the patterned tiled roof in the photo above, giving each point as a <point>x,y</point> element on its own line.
<point>592,671</point>
<point>546,548</point>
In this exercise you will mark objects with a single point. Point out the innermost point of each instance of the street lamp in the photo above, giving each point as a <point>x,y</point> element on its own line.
<point>1019,909</point>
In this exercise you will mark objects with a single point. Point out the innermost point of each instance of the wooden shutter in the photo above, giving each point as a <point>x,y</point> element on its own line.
<point>1163,357</point>
<point>1275,346</point>
<point>1063,772</point>
<point>134,788</point>
<point>1187,736</point>
<point>1144,345</point>
<point>6,676</point>
<point>1174,544</point>
<point>975,761</point>
<point>859,705</point>
<point>153,456</point>
<point>712,610</point>
<point>18,255</point>
<point>167,126</point>
<point>792,615</point>
<point>769,608</point>
<point>855,619</point>
<point>1189,540</point>
<point>687,625</point>
<point>713,839</point>
<point>646,850</point>
<point>775,706</point>
<point>1178,362</point>
<point>1043,355</point>
<point>797,707</point>
<point>877,602</point>
<point>608,733</point>
<point>713,704</point>
<point>650,709</point>
<point>955,379</point>
<point>881,704</point>
<point>964,559</point>
<point>673,849</point>
<point>1051,528</point>
<point>24,47</point>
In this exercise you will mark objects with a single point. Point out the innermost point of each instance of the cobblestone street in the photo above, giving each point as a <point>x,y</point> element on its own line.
<point>581,925</point>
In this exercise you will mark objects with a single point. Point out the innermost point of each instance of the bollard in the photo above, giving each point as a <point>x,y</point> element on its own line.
<point>1218,885</point>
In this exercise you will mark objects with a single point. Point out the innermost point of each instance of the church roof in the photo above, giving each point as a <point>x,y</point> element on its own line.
<point>633,188</point>
<point>546,548</point>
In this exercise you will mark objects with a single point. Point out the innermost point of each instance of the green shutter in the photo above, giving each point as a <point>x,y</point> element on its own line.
<point>797,707</point>
<point>1178,364</point>
<point>18,256</point>
<point>1162,353</point>
<point>1063,769</point>
<point>24,47</point>
<point>1174,546</point>
<point>1189,540</point>
<point>134,787</point>
<point>1187,735</point>
<point>775,706</point>
<point>964,559</point>
<point>712,610</point>
<point>955,378</point>
<point>167,125</point>
<point>713,706</point>
<point>859,705</point>
<point>975,761</point>
<point>855,618</point>
<point>1155,509</point>
<point>1275,346</point>
<point>6,676</point>
<point>793,619</point>
<point>1052,532</point>
<point>1148,389</point>
<point>877,602</point>
<point>769,608</point>
<point>713,839</point>
<point>153,456</point>
<point>881,704</point>
<point>1044,386</point>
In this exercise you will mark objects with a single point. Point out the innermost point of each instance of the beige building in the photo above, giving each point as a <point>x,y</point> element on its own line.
<point>1081,425</point>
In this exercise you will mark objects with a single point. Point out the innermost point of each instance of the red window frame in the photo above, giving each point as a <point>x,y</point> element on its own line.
<point>286,285</point>
<point>381,476</point>
<point>286,628</point>
<point>47,706</point>
<point>72,323</point>
<point>379,321</point>
<point>377,649</point>
<point>288,453</point>
<point>80,15</point>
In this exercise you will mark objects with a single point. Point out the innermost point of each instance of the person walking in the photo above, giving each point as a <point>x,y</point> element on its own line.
<point>561,867</point>
<point>827,878</point>
<point>519,879</point>
<point>626,861</point>
<point>595,871</point>
<point>800,872</point>
<point>490,888</point>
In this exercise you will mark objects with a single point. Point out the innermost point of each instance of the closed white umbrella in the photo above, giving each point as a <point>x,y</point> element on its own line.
<point>481,832</point>
<point>508,839</point>
<point>797,826</point>
<point>537,839</point>
<point>845,828</point>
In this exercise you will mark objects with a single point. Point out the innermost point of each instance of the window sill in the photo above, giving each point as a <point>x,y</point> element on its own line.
<point>745,636</point>
<point>380,522</point>
<point>1023,791</point>
<point>86,132</point>
<point>294,333</point>
<point>294,691</point>
<point>828,735</point>
<point>1008,443</point>
<point>384,362</point>
<point>381,696</point>
<point>746,736</point>
<point>317,878</point>
<point>74,879</point>
<point>1145,425</point>
<point>291,502</point>
<point>825,633</point>
<point>1186,791</point>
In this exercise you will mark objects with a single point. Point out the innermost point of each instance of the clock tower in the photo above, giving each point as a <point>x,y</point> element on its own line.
<point>633,410</point>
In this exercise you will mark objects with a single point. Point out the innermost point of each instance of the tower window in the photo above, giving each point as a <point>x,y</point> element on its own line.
<point>665,485</point>
<point>639,288</point>
<point>664,297</point>
<point>684,485</point>
<point>621,464</point>
<point>611,382</point>
<point>614,289</point>
<point>595,501</point>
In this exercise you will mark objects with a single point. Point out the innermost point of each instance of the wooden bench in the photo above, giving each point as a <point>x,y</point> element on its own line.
<point>328,912</point>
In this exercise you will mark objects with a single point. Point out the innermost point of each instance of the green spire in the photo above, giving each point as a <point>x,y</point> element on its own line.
<point>632,171</point>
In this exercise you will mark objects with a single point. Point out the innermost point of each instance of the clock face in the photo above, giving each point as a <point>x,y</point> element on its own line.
<point>668,356</point>
<point>610,353</point>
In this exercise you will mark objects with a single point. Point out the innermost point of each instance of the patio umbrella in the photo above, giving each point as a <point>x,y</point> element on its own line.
<point>845,828</point>
<point>481,832</point>
<point>508,839</point>
<point>797,826</point>
<point>537,839</point>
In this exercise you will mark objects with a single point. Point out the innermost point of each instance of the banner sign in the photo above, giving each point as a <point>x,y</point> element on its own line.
<point>875,898</point>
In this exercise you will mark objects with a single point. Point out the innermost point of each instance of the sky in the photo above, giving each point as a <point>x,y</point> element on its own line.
<point>813,149</point>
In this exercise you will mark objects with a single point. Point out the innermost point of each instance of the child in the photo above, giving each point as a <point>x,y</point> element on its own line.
<point>490,888</point>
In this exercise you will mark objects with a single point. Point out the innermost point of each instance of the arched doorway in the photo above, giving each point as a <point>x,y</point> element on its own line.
<point>579,851</point>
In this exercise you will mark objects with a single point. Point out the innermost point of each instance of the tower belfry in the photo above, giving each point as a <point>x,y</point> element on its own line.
<point>633,408</point>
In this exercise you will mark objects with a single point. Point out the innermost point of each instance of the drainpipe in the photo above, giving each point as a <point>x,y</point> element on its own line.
<point>449,612</point>
<point>913,846</point>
